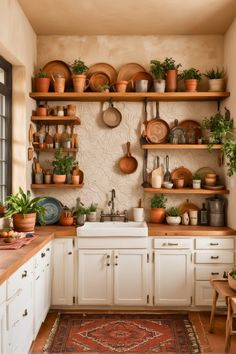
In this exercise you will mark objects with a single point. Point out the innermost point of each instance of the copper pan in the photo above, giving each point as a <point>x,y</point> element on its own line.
<point>128,164</point>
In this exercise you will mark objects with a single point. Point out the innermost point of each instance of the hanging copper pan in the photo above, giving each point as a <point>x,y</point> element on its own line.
<point>157,130</point>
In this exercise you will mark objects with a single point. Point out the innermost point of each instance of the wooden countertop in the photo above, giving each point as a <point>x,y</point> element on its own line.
<point>182,230</point>
<point>57,230</point>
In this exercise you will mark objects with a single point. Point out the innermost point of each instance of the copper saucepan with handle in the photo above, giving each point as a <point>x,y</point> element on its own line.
<point>111,116</point>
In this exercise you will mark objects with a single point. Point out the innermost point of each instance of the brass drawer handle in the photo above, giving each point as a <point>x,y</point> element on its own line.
<point>24,274</point>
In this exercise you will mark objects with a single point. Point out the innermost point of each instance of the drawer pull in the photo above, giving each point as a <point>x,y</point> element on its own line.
<point>69,253</point>
<point>108,264</point>
<point>172,244</point>
<point>215,273</point>
<point>43,254</point>
<point>24,274</point>
<point>25,313</point>
<point>48,249</point>
<point>116,264</point>
<point>214,244</point>
<point>215,257</point>
<point>108,256</point>
<point>37,277</point>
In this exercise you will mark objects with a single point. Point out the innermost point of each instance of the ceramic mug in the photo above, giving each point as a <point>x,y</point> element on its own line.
<point>138,214</point>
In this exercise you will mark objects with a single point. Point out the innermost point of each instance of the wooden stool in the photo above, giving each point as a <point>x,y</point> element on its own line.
<point>221,287</point>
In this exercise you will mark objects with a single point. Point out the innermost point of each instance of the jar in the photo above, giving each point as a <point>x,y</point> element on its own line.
<point>60,111</point>
<point>71,109</point>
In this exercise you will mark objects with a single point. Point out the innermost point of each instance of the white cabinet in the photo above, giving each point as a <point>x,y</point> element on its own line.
<point>42,285</point>
<point>63,272</point>
<point>172,272</point>
<point>213,257</point>
<point>19,319</point>
<point>3,318</point>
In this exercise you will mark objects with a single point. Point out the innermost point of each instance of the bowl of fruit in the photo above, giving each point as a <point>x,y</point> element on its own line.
<point>7,234</point>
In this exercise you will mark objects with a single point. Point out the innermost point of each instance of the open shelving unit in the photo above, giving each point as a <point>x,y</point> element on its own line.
<point>55,185</point>
<point>180,146</point>
<point>186,191</point>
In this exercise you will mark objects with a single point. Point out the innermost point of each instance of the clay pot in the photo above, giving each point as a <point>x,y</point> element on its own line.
<point>66,218</point>
<point>24,222</point>
<point>178,182</point>
<point>121,86</point>
<point>191,85</point>
<point>42,84</point>
<point>157,215</point>
<point>171,80</point>
<point>159,85</point>
<point>41,111</point>
<point>58,178</point>
<point>71,109</point>
<point>59,84</point>
<point>217,85</point>
<point>79,82</point>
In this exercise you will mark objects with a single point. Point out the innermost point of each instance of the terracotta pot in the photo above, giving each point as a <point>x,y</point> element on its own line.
<point>42,84</point>
<point>157,215</point>
<point>217,85</point>
<point>24,222</point>
<point>58,178</point>
<point>178,182</point>
<point>71,109</point>
<point>66,219</point>
<point>171,80</point>
<point>79,82</point>
<point>121,86</point>
<point>41,111</point>
<point>59,84</point>
<point>191,85</point>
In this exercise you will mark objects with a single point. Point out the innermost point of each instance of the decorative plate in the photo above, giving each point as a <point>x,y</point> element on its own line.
<point>58,67</point>
<point>203,171</point>
<point>192,130</point>
<point>157,131</point>
<point>105,68</point>
<point>97,80</point>
<point>127,73</point>
<point>53,210</point>
<point>184,173</point>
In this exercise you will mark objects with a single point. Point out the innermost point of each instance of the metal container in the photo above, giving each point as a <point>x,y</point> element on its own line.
<point>217,219</point>
<point>141,85</point>
<point>216,204</point>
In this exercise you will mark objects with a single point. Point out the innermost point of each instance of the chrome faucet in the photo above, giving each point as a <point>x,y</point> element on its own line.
<point>112,201</point>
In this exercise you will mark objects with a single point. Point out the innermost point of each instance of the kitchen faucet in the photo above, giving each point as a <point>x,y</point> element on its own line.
<point>114,215</point>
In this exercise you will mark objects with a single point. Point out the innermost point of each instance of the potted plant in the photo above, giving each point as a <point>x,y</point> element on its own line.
<point>92,212</point>
<point>158,72</point>
<point>171,69</point>
<point>216,79</point>
<point>173,216</point>
<point>216,128</point>
<point>23,210</point>
<point>66,217</point>
<point>80,213</point>
<point>158,205</point>
<point>78,69</point>
<point>191,78</point>
<point>62,165</point>
<point>41,81</point>
<point>104,88</point>
<point>196,181</point>
<point>229,149</point>
<point>232,278</point>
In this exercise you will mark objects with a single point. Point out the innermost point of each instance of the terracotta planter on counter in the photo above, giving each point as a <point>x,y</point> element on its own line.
<point>24,222</point>
<point>157,215</point>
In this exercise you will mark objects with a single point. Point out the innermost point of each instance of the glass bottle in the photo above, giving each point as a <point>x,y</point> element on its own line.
<point>203,215</point>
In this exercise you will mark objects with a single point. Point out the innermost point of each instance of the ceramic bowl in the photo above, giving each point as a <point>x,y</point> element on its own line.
<point>168,185</point>
<point>210,181</point>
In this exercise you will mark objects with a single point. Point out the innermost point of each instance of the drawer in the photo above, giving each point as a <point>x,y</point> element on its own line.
<point>216,256</point>
<point>206,272</point>
<point>19,307</point>
<point>2,293</point>
<point>20,279</point>
<point>214,243</point>
<point>175,243</point>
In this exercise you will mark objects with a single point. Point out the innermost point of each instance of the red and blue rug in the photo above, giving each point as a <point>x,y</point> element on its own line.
<point>123,333</point>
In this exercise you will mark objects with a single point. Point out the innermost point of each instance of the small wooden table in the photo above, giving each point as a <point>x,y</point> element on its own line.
<point>221,287</point>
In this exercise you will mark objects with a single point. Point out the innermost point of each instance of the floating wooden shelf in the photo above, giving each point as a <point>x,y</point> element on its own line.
<point>55,185</point>
<point>180,146</point>
<point>53,149</point>
<point>130,96</point>
<point>185,191</point>
<point>56,120</point>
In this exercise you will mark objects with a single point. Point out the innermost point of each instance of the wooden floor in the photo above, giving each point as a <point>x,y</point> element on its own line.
<point>210,343</point>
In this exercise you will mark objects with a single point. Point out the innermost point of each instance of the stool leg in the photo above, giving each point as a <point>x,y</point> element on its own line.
<point>229,324</point>
<point>213,310</point>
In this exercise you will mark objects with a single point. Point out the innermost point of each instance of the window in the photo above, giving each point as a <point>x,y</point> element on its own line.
<point>5,128</point>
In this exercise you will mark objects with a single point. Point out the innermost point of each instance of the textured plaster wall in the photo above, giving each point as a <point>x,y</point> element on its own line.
<point>18,46</point>
<point>100,147</point>
<point>229,62</point>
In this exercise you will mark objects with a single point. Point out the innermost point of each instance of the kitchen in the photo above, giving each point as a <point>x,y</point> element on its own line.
<point>100,148</point>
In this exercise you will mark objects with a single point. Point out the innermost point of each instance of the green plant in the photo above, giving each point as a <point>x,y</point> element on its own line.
<point>157,69</point>
<point>219,126</point>
<point>79,211</point>
<point>173,211</point>
<point>78,67</point>
<point>215,74</point>
<point>158,201</point>
<point>229,149</point>
<point>233,273</point>
<point>196,177</point>
<point>92,207</point>
<point>190,74</point>
<point>41,74</point>
<point>22,203</point>
<point>62,163</point>
<point>169,64</point>
<point>104,87</point>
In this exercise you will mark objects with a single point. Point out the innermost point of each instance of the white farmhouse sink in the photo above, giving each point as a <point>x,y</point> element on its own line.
<point>113,228</point>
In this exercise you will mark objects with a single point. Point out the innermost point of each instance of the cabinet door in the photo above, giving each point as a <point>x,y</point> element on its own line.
<point>130,277</point>
<point>2,328</point>
<point>38,301</point>
<point>63,272</point>
<point>94,277</point>
<point>172,278</point>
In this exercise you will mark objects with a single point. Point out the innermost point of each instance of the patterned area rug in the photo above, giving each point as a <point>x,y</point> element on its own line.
<point>139,333</point>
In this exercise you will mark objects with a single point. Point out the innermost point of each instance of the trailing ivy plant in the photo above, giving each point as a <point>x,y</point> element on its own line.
<point>229,149</point>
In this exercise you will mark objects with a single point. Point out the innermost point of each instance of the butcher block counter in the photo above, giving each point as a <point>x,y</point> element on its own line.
<point>182,230</point>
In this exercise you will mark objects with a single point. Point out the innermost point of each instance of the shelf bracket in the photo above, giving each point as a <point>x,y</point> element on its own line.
<point>218,105</point>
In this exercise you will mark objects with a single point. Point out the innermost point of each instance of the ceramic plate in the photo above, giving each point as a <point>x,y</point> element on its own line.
<point>105,68</point>
<point>203,171</point>
<point>58,67</point>
<point>53,210</point>
<point>183,172</point>
<point>127,73</point>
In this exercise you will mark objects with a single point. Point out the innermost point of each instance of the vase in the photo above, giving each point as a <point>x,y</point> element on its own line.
<point>171,80</point>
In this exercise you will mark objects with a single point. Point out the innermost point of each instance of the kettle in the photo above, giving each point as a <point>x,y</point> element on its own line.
<point>216,208</point>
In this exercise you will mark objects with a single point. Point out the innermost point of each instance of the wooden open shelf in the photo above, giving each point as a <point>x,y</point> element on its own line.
<point>186,191</point>
<point>130,96</point>
<point>54,149</point>
<point>55,185</point>
<point>180,146</point>
<point>56,120</point>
